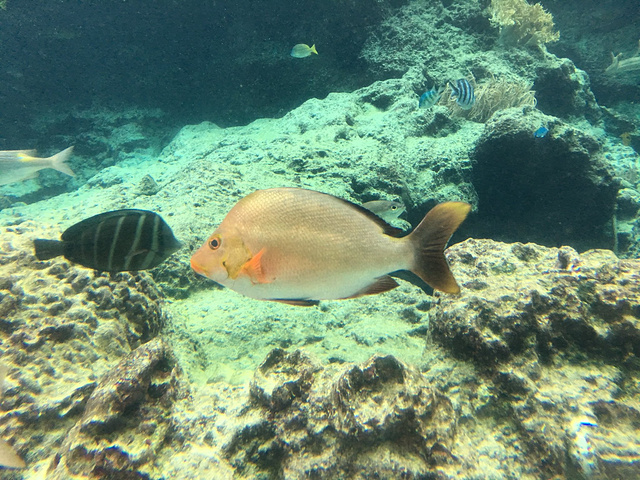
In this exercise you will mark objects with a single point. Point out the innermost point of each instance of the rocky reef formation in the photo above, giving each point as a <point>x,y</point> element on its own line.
<point>125,421</point>
<point>530,372</point>
<point>556,336</point>
<point>555,190</point>
<point>62,328</point>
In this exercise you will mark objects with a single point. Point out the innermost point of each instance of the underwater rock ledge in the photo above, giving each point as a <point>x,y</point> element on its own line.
<point>531,371</point>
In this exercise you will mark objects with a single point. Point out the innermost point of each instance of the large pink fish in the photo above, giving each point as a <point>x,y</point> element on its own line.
<point>299,246</point>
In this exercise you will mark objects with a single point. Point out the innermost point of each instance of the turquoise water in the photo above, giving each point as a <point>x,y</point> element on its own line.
<point>182,109</point>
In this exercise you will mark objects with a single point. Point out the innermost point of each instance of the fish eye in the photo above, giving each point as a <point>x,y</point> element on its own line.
<point>215,242</point>
<point>394,207</point>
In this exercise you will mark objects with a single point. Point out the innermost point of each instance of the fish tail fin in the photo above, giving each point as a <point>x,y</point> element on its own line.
<point>430,239</point>
<point>58,161</point>
<point>47,249</point>
<point>313,49</point>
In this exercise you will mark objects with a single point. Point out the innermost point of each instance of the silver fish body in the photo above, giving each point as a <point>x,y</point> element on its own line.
<point>19,165</point>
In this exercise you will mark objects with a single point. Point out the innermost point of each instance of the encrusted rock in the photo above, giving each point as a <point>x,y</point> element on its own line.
<point>125,420</point>
<point>555,338</point>
<point>519,297</point>
<point>311,422</point>
<point>61,328</point>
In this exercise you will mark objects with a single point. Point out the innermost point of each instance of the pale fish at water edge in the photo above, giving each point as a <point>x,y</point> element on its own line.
<point>299,246</point>
<point>19,165</point>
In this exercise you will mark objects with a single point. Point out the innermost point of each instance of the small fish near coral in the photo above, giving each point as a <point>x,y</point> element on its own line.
<point>8,457</point>
<point>462,91</point>
<point>429,98</point>
<point>19,165</point>
<point>541,132</point>
<point>302,50</point>
<point>117,241</point>
<point>385,209</point>
<point>299,246</point>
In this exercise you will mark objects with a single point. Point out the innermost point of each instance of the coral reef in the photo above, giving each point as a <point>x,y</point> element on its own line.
<point>564,90</point>
<point>377,417</point>
<point>559,303</point>
<point>558,334</point>
<point>521,23</point>
<point>530,372</point>
<point>125,420</point>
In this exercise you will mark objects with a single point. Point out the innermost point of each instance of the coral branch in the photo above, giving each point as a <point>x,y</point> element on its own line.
<point>521,23</point>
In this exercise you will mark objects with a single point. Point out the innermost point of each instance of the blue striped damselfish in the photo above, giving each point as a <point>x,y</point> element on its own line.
<point>118,241</point>
<point>462,91</point>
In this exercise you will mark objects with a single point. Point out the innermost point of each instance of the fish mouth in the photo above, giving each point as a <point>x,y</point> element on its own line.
<point>198,268</point>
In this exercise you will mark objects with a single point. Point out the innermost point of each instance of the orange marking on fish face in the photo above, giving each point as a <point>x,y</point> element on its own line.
<point>235,256</point>
<point>196,267</point>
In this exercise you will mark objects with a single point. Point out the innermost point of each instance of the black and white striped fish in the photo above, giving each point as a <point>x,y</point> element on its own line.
<point>118,241</point>
<point>462,91</point>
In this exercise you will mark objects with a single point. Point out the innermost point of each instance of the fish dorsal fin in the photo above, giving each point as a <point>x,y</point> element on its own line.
<point>381,284</point>
<point>75,231</point>
<point>253,268</point>
<point>386,228</point>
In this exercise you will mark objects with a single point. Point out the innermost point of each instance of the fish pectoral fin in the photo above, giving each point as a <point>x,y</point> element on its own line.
<point>381,284</point>
<point>296,302</point>
<point>254,270</point>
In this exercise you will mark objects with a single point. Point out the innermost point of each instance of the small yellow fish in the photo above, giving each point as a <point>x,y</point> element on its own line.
<point>298,246</point>
<point>19,165</point>
<point>626,138</point>
<point>301,50</point>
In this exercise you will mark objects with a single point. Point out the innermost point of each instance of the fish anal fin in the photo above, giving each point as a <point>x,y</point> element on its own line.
<point>296,302</point>
<point>254,269</point>
<point>430,239</point>
<point>380,285</point>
